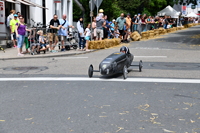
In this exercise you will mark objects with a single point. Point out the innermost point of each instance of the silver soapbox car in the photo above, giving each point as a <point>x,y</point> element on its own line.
<point>117,62</point>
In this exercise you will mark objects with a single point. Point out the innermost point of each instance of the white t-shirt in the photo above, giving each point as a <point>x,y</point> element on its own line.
<point>88,32</point>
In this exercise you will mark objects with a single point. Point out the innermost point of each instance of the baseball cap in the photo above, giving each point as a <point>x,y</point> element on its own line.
<point>113,20</point>
<point>128,14</point>
<point>15,15</point>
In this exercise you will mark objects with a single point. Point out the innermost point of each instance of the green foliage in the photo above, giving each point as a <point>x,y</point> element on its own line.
<point>113,8</point>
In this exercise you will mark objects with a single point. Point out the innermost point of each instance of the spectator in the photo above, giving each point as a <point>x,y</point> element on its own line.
<point>116,32</point>
<point>80,28</point>
<point>166,22</point>
<point>120,22</point>
<point>19,14</point>
<point>134,23</point>
<point>20,31</point>
<point>128,22</point>
<point>100,15</point>
<point>143,23</point>
<point>12,29</point>
<point>99,30</point>
<point>63,32</point>
<point>126,32</point>
<point>94,25</point>
<point>10,17</point>
<point>54,27</point>
<point>112,26</point>
<point>106,27</point>
<point>43,45</point>
<point>87,34</point>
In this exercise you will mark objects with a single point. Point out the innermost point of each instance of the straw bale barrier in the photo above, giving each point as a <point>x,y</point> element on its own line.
<point>107,43</point>
<point>135,36</point>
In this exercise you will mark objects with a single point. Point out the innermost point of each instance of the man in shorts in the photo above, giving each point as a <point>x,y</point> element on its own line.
<point>120,22</point>
<point>63,32</point>
<point>99,29</point>
<point>12,29</point>
<point>53,35</point>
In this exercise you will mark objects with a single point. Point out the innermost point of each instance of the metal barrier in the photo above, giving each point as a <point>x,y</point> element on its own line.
<point>144,27</point>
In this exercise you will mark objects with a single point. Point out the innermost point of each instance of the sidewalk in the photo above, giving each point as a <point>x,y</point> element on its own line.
<point>11,53</point>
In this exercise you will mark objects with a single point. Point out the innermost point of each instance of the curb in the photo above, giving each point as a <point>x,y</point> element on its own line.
<point>50,56</point>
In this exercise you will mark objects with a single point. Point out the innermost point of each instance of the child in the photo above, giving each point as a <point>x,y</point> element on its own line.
<point>116,32</point>
<point>87,36</point>
<point>43,46</point>
<point>33,41</point>
<point>126,33</point>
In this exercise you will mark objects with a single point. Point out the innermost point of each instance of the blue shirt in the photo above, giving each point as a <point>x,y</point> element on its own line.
<point>63,32</point>
<point>113,25</point>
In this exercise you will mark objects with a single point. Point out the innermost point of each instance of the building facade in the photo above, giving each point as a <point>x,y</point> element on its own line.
<point>37,10</point>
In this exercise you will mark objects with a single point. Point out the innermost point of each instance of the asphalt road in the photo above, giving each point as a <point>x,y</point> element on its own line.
<point>106,106</point>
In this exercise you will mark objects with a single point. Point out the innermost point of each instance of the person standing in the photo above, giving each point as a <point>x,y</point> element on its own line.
<point>166,22</point>
<point>20,31</point>
<point>53,37</point>
<point>87,34</point>
<point>10,17</point>
<point>12,29</point>
<point>120,22</point>
<point>94,26</point>
<point>99,31</point>
<point>63,32</point>
<point>128,21</point>
<point>106,27</point>
<point>80,28</point>
<point>134,23</point>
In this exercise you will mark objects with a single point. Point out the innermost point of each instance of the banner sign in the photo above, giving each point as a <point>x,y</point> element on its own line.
<point>2,12</point>
<point>184,10</point>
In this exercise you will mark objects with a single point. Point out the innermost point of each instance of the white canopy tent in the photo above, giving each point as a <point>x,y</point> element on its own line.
<point>169,11</point>
<point>192,14</point>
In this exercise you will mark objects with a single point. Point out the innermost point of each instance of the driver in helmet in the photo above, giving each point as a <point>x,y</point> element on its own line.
<point>124,50</point>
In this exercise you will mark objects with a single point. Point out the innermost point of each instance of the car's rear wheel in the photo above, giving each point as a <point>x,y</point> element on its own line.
<point>125,72</point>
<point>90,71</point>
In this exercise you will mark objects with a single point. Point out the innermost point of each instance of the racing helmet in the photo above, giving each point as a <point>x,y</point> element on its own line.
<point>125,49</point>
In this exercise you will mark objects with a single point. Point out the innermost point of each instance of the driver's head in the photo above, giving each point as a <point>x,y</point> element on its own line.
<point>123,49</point>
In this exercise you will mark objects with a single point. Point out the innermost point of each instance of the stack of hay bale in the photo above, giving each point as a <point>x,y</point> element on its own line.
<point>156,32</point>
<point>161,31</point>
<point>107,43</point>
<point>145,35</point>
<point>135,36</point>
<point>151,34</point>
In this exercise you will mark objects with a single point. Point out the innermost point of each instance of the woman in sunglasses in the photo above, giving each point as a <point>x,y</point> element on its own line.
<point>20,34</point>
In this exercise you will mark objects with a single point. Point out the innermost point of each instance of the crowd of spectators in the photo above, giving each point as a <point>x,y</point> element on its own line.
<point>100,28</point>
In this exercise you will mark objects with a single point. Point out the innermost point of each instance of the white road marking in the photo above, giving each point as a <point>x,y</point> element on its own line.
<point>63,58</point>
<point>147,80</point>
<point>150,56</point>
<point>148,48</point>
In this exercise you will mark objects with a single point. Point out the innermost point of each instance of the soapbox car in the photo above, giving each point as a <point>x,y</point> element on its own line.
<point>117,62</point>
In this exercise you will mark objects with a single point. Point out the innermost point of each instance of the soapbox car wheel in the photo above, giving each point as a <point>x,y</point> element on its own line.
<point>90,71</point>
<point>140,66</point>
<point>125,72</point>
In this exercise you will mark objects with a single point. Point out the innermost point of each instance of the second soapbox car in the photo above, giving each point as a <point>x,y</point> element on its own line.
<point>117,62</point>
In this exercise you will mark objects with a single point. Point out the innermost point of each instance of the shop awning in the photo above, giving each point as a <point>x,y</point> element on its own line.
<point>12,1</point>
<point>26,2</point>
<point>33,4</point>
